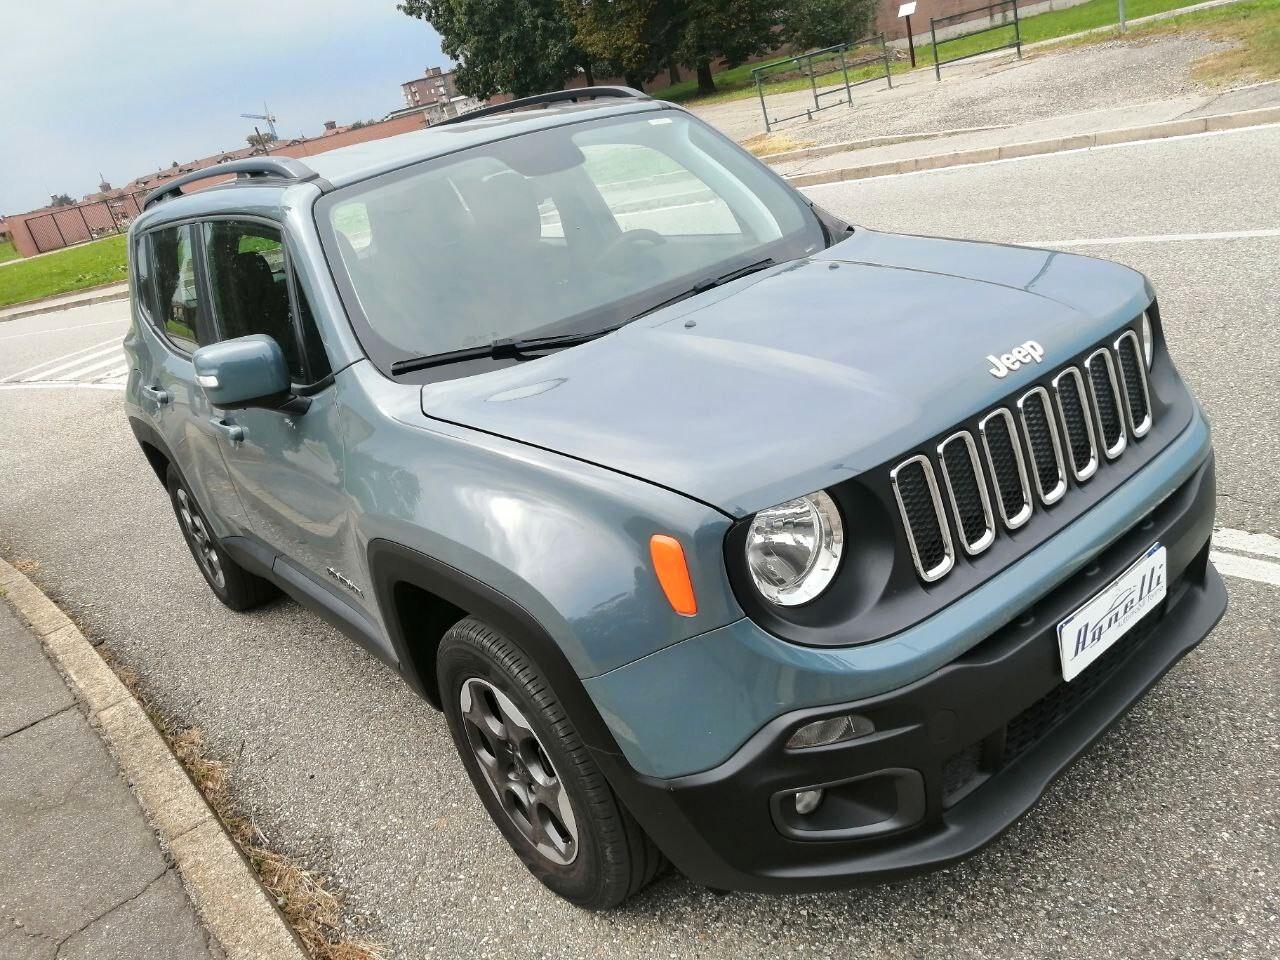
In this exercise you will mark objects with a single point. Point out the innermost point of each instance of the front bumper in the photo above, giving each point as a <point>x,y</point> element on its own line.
<point>957,756</point>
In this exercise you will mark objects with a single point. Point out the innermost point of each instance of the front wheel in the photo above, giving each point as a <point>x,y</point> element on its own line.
<point>536,778</point>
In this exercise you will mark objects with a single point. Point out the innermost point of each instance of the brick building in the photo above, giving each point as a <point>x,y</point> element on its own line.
<point>103,213</point>
<point>435,86</point>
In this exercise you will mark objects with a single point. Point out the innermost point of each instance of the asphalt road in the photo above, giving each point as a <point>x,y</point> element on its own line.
<point>1161,842</point>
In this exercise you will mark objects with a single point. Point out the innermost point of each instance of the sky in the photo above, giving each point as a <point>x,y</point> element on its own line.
<point>127,88</point>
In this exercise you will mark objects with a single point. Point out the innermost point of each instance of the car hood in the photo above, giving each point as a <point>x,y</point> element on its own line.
<point>801,376</point>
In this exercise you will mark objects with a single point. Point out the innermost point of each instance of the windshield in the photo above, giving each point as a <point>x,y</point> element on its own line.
<point>568,230</point>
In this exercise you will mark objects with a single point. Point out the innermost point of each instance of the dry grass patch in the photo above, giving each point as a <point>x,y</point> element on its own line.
<point>306,899</point>
<point>767,144</point>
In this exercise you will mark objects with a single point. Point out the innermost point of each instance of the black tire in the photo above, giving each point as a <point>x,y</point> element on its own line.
<point>612,856</point>
<point>231,583</point>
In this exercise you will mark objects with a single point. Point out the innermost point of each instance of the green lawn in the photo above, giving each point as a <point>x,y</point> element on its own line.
<point>736,83</point>
<point>88,265</point>
<point>1253,26</point>
<point>7,251</point>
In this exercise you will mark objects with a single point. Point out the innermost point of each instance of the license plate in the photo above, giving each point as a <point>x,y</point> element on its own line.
<point>1086,634</point>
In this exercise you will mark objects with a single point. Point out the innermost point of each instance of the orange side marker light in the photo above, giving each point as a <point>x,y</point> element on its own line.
<point>673,573</point>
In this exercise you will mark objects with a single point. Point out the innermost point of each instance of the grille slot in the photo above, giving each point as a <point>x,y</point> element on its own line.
<point>1042,441</point>
<point>967,491</point>
<point>1105,394</point>
<point>1077,424</point>
<point>1004,458</point>
<point>928,535</point>
<point>1133,371</point>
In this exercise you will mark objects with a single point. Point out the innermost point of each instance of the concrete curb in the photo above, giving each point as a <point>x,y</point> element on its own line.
<point>62,302</point>
<point>1031,148</point>
<point>825,150</point>
<point>226,893</point>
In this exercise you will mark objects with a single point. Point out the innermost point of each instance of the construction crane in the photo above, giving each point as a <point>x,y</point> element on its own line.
<point>265,115</point>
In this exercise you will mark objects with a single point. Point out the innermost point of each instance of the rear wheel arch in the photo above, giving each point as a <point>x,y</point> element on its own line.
<point>153,448</point>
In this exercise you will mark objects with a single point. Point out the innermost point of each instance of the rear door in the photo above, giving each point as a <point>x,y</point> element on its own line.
<point>177,322</point>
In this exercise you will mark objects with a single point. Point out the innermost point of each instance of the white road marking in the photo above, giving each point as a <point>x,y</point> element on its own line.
<point>74,357</point>
<point>1045,156</point>
<point>78,326</point>
<point>1238,563</point>
<point>1261,544</point>
<point>1154,238</point>
<point>1246,568</point>
<point>113,358</point>
<point>61,385</point>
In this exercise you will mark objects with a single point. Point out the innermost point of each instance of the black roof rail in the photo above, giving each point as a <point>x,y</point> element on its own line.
<point>281,168</point>
<point>544,99</point>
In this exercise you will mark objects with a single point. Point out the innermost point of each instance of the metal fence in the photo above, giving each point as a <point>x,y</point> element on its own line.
<point>81,222</point>
<point>990,12</point>
<point>830,61</point>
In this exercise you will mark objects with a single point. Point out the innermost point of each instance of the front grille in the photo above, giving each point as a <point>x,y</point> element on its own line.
<point>928,534</point>
<point>1061,432</point>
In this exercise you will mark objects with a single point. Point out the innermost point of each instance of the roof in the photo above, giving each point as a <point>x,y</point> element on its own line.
<point>363,160</point>
<point>336,168</point>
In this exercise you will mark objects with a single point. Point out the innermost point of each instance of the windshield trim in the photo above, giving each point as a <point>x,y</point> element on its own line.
<point>384,355</point>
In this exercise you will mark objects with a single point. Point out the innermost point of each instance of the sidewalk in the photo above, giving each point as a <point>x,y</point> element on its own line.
<point>81,872</point>
<point>81,298</point>
<point>804,167</point>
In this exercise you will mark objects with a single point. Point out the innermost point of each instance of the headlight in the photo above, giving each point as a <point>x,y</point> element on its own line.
<point>1148,341</point>
<point>793,549</point>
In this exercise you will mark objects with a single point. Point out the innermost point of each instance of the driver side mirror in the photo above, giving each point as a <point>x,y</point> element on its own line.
<point>247,372</point>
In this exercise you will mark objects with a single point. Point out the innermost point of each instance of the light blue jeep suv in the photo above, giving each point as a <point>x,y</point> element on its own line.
<point>723,532</point>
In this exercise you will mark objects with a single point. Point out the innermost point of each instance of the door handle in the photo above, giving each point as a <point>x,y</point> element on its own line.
<point>233,432</point>
<point>158,396</point>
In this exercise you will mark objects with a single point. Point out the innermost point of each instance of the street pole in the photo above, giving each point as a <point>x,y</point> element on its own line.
<point>1123,26</point>
<point>911,43</point>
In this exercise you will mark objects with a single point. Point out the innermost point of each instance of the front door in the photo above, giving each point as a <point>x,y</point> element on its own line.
<point>287,467</point>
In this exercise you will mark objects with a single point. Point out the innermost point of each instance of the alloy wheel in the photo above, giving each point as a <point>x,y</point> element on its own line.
<point>200,539</point>
<point>519,771</point>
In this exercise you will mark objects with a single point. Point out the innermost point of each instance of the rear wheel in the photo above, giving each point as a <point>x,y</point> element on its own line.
<point>536,778</point>
<point>231,583</point>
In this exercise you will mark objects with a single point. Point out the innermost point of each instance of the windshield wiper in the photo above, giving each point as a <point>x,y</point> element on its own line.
<point>504,349</point>
<point>702,286</point>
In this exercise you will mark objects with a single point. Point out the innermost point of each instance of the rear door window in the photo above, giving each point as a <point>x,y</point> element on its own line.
<point>177,297</point>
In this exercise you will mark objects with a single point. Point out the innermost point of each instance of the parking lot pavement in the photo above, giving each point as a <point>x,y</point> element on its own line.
<point>1161,842</point>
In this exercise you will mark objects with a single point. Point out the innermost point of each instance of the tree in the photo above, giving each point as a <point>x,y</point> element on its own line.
<point>813,24</point>
<point>519,47</point>
<point>729,30</point>
<point>635,38</point>
<point>61,200</point>
<point>260,141</point>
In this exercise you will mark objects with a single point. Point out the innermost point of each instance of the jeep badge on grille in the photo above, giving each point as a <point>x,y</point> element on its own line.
<point>1029,352</point>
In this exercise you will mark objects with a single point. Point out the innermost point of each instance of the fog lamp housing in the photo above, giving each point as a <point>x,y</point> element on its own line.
<point>821,733</point>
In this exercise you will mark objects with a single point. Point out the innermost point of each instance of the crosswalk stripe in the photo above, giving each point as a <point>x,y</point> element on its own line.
<point>1246,568</point>
<point>52,373</point>
<point>112,359</point>
<point>74,357</point>
<point>119,371</point>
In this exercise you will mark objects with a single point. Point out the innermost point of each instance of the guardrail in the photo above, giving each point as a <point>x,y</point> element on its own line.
<point>842,58</point>
<point>990,10</point>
